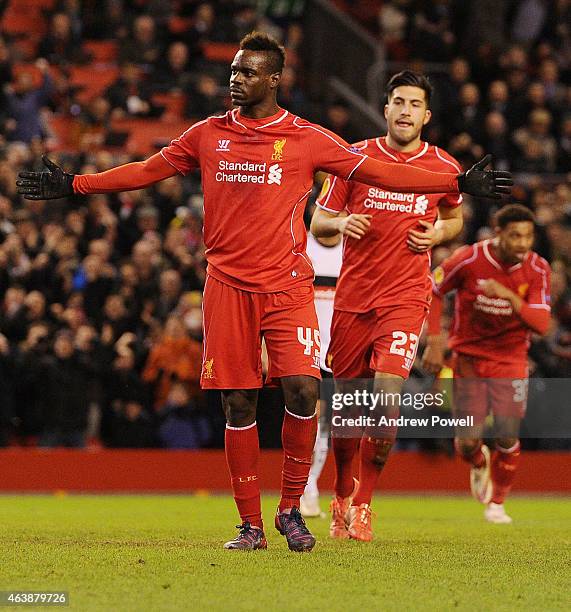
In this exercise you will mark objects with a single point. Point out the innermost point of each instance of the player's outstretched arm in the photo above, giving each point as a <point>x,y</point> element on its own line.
<point>399,177</point>
<point>55,183</point>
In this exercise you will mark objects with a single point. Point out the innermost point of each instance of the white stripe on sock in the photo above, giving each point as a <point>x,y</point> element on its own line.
<point>297,416</point>
<point>241,428</point>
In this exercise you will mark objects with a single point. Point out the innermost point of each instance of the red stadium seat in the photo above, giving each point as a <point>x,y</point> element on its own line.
<point>146,135</point>
<point>174,104</point>
<point>26,17</point>
<point>220,52</point>
<point>102,51</point>
<point>65,132</point>
<point>93,79</point>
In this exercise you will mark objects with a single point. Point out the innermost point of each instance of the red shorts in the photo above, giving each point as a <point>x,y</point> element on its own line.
<point>482,387</point>
<point>235,322</point>
<point>381,340</point>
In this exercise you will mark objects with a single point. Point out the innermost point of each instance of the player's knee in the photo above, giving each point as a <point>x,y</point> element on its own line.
<point>506,444</point>
<point>466,447</point>
<point>239,409</point>
<point>301,395</point>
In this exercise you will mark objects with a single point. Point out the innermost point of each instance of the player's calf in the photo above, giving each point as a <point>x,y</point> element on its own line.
<point>505,461</point>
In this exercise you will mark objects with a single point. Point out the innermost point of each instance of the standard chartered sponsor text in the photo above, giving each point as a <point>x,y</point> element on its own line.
<point>241,172</point>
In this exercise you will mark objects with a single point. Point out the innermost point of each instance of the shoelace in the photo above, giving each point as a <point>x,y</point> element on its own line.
<point>246,531</point>
<point>300,528</point>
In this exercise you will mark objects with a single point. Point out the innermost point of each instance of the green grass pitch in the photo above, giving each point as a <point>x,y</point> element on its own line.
<point>164,553</point>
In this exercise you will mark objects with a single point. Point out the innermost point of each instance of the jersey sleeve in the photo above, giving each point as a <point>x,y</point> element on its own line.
<point>183,153</point>
<point>330,153</point>
<point>538,295</point>
<point>334,194</point>
<point>449,164</point>
<point>450,273</point>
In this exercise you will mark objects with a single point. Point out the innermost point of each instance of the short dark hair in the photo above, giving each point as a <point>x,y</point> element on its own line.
<point>260,41</point>
<point>513,213</point>
<point>413,79</point>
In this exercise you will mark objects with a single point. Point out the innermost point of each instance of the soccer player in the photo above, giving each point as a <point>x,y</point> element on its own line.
<point>257,163</point>
<point>325,255</point>
<point>502,296</point>
<point>384,290</point>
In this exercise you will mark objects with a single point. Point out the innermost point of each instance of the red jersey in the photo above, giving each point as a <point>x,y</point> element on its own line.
<point>256,177</point>
<point>488,327</point>
<point>380,270</point>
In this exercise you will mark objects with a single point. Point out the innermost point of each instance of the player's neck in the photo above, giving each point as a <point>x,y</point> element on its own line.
<point>259,111</point>
<point>413,145</point>
<point>501,255</point>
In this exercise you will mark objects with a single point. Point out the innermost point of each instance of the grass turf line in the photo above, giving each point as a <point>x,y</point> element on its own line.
<point>164,553</point>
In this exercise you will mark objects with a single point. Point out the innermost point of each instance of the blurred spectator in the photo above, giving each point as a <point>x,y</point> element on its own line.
<point>175,357</point>
<point>25,100</point>
<point>130,95</point>
<point>432,37</point>
<point>394,23</point>
<point>497,140</point>
<point>175,74</point>
<point>291,95</point>
<point>338,119</point>
<point>7,415</point>
<point>62,43</point>
<point>468,116</point>
<point>204,99</point>
<point>537,148</point>
<point>182,425</point>
<point>170,288</point>
<point>131,427</point>
<point>142,45</point>
<point>67,375</point>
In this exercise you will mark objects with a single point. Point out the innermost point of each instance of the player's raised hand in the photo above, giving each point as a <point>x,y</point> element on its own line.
<point>433,356</point>
<point>45,185</point>
<point>354,225</point>
<point>422,241</point>
<point>485,183</point>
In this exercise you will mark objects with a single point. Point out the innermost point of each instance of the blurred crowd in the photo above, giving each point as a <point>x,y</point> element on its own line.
<point>100,296</point>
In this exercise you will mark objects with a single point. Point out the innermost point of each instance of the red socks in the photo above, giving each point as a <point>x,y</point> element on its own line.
<point>344,450</point>
<point>298,440</point>
<point>242,453</point>
<point>504,465</point>
<point>372,458</point>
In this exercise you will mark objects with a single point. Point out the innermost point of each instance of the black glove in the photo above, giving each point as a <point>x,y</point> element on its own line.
<point>45,185</point>
<point>485,183</point>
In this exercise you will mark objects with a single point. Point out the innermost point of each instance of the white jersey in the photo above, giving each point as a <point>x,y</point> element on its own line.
<point>327,265</point>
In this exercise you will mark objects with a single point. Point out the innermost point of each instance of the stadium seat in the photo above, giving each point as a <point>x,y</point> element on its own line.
<point>102,51</point>
<point>24,17</point>
<point>174,104</point>
<point>146,135</point>
<point>92,80</point>
<point>220,52</point>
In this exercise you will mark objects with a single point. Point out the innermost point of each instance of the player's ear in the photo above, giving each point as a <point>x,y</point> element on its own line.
<point>275,79</point>
<point>427,116</point>
<point>497,230</point>
<point>386,111</point>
